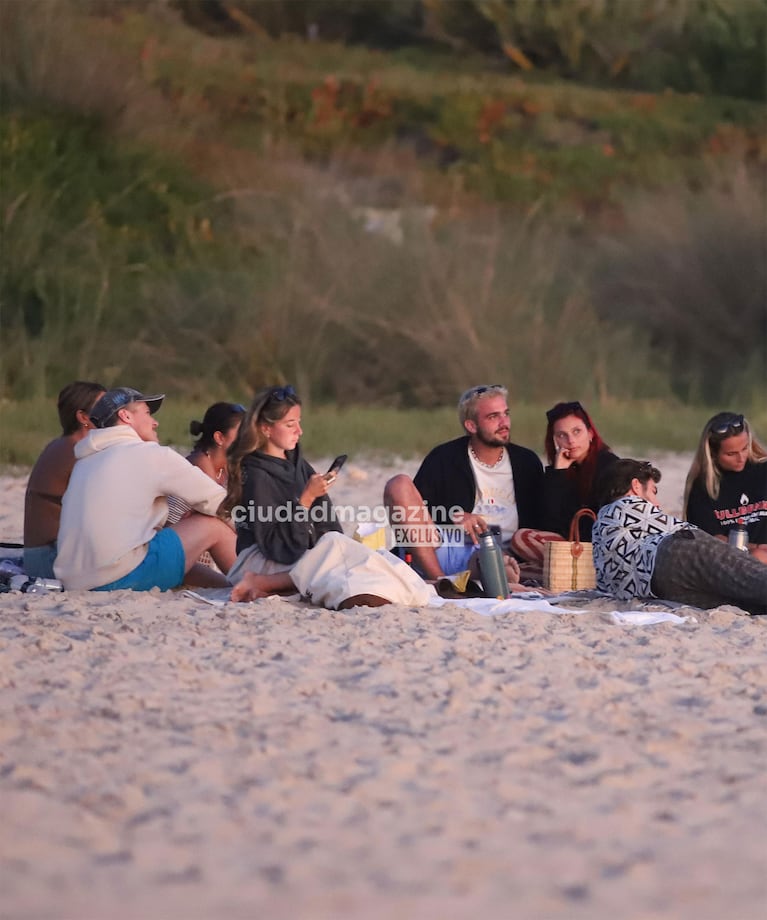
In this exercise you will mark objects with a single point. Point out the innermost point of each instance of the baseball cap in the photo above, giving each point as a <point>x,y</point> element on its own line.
<point>113,400</point>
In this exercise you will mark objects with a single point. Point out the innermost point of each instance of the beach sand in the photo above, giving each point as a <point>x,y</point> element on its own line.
<point>162,758</point>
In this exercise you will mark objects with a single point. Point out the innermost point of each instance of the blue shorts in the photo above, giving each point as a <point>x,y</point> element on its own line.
<point>453,558</point>
<point>163,566</point>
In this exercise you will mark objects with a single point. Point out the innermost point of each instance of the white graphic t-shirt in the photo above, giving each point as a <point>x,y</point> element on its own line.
<point>496,500</point>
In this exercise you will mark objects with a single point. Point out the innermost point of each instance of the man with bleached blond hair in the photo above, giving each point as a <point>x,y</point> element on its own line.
<point>463,487</point>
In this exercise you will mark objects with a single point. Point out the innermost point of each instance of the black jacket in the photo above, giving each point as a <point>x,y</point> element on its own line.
<point>561,499</point>
<point>445,479</point>
<point>274,520</point>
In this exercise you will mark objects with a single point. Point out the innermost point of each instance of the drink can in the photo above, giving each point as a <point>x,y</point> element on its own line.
<point>738,537</point>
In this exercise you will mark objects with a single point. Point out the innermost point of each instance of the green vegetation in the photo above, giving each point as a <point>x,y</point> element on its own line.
<point>636,427</point>
<point>687,45</point>
<point>204,205</point>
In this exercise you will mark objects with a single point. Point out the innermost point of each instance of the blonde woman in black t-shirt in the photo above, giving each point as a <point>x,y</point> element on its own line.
<point>727,482</point>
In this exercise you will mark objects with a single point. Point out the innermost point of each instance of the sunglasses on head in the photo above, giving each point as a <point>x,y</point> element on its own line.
<point>563,409</point>
<point>237,407</point>
<point>478,391</point>
<point>734,424</point>
<point>280,394</point>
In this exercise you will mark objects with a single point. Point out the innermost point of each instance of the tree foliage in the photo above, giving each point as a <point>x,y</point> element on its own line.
<point>216,213</point>
<point>687,45</point>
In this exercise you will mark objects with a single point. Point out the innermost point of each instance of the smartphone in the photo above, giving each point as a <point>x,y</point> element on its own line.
<point>335,466</point>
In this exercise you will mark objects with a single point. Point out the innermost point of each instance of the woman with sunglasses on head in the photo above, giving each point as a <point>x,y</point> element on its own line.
<point>577,459</point>
<point>279,504</point>
<point>727,482</point>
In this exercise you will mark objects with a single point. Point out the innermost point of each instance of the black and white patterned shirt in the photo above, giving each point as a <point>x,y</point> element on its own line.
<point>625,539</point>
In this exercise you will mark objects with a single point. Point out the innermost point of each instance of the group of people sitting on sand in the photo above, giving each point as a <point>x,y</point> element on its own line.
<point>108,508</point>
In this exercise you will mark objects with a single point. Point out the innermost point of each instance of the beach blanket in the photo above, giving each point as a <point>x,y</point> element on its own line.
<point>529,602</point>
<point>532,603</point>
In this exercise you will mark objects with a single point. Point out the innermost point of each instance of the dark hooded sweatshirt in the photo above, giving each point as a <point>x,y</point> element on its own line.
<point>274,520</point>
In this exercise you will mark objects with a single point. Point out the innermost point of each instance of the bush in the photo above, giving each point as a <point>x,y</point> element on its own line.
<point>90,232</point>
<point>689,271</point>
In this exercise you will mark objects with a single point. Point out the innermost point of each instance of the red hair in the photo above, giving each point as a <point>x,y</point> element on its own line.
<point>583,473</point>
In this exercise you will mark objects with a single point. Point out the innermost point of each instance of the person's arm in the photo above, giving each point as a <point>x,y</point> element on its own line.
<point>45,487</point>
<point>664,520</point>
<point>315,497</point>
<point>278,524</point>
<point>180,478</point>
<point>430,481</point>
<point>614,550</point>
<point>536,473</point>
<point>445,480</point>
<point>558,500</point>
<point>757,534</point>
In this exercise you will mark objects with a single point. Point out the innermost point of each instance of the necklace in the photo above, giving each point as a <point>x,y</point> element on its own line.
<point>487,466</point>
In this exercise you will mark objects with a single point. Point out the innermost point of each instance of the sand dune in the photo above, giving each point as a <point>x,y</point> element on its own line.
<point>161,758</point>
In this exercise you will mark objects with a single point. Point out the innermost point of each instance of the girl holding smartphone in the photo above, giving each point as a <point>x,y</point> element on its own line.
<point>279,505</point>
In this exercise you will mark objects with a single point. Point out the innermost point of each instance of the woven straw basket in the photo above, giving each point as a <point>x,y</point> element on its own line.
<point>569,566</point>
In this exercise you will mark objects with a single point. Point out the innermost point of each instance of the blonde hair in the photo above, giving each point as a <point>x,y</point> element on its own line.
<point>704,468</point>
<point>467,404</point>
<point>269,406</point>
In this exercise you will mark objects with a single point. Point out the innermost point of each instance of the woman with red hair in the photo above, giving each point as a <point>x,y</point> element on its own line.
<point>577,458</point>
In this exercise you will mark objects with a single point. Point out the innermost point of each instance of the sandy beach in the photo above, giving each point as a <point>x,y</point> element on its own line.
<point>164,758</point>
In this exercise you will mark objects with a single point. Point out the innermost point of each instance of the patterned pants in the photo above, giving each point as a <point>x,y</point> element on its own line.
<point>693,567</point>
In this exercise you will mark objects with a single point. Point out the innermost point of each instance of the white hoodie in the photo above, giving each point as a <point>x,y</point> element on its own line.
<point>116,501</point>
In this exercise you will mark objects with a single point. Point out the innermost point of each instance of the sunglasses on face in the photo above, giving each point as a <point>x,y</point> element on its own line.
<point>561,410</point>
<point>735,424</point>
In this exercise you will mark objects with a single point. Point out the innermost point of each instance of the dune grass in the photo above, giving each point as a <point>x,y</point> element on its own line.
<point>382,434</point>
<point>209,215</point>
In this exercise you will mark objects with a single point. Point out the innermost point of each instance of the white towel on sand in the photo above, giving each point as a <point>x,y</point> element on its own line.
<point>489,606</point>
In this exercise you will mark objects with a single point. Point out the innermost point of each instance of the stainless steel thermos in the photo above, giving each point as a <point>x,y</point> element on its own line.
<point>492,571</point>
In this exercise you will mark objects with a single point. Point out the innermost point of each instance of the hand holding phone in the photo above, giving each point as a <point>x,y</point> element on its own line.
<point>335,466</point>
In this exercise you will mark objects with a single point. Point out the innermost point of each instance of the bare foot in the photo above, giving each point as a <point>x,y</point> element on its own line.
<point>252,586</point>
<point>520,588</point>
<point>248,589</point>
<point>512,570</point>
